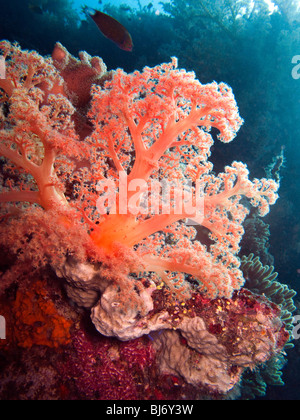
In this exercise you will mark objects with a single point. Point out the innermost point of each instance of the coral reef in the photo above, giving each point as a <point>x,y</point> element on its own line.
<point>85,165</point>
<point>262,280</point>
<point>213,345</point>
<point>203,354</point>
<point>207,345</point>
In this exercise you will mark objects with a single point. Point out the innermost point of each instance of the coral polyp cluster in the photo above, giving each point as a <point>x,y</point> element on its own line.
<point>162,303</point>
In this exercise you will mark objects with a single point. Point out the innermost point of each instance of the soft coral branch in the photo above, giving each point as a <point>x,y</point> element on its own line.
<point>164,116</point>
<point>153,125</point>
<point>15,156</point>
<point>34,135</point>
<point>24,196</point>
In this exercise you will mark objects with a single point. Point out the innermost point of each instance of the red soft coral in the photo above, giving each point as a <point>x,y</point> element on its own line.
<point>150,126</point>
<point>35,133</point>
<point>155,125</point>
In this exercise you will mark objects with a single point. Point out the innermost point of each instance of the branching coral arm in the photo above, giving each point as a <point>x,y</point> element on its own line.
<point>136,132</point>
<point>174,129</point>
<point>48,194</point>
<point>114,156</point>
<point>18,159</point>
<point>207,276</point>
<point>149,158</point>
<point>24,196</point>
<point>147,227</point>
<point>7,86</point>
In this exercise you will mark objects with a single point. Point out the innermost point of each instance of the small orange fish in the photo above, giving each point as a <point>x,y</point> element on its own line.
<point>111,28</point>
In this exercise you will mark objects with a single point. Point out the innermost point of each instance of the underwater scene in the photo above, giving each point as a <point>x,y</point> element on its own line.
<point>149,202</point>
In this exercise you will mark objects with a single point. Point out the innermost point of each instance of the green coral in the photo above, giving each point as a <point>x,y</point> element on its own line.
<point>254,383</point>
<point>261,279</point>
<point>256,238</point>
